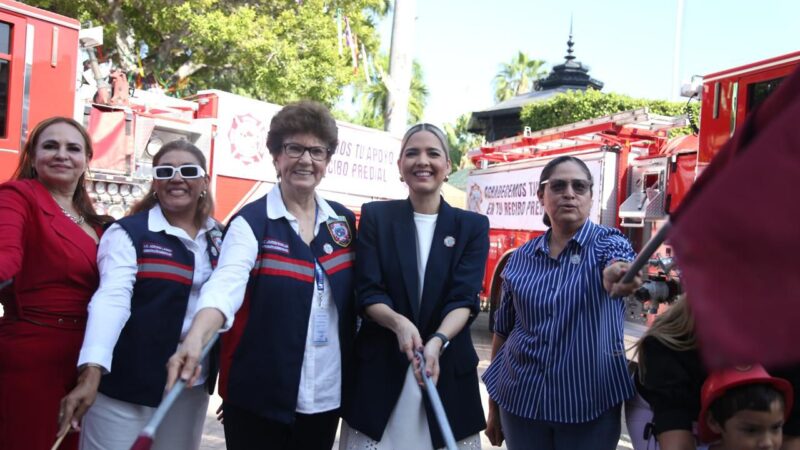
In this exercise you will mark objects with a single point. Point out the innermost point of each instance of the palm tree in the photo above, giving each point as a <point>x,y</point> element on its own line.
<point>373,97</point>
<point>517,77</point>
<point>460,140</point>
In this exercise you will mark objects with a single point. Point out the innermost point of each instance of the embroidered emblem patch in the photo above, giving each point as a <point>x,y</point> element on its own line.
<point>340,232</point>
<point>216,241</point>
<point>275,245</point>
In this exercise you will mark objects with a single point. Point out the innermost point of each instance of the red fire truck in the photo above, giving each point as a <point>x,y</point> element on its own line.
<point>640,175</point>
<point>39,57</point>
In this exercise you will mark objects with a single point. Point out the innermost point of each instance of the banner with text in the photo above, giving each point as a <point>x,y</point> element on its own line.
<point>365,161</point>
<point>509,197</point>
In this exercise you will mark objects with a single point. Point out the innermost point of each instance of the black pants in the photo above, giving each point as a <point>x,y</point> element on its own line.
<point>245,430</point>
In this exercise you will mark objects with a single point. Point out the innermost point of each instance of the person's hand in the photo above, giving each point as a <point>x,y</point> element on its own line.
<point>220,414</point>
<point>78,401</point>
<point>431,354</point>
<point>612,277</point>
<point>494,429</point>
<point>185,363</point>
<point>408,339</point>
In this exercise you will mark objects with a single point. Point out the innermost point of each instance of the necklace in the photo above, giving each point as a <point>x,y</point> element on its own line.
<point>78,220</point>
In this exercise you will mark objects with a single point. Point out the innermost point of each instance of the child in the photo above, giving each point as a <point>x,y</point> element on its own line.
<point>744,408</point>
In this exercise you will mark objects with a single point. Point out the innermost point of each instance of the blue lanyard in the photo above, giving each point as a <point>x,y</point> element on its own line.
<point>319,278</point>
<point>319,275</point>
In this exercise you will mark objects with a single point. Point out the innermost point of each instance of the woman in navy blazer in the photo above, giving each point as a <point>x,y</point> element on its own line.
<point>419,267</point>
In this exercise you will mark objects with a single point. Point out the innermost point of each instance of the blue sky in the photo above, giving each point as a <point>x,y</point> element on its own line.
<point>627,43</point>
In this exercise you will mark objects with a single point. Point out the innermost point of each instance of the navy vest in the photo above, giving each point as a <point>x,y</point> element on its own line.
<point>158,307</point>
<point>262,355</point>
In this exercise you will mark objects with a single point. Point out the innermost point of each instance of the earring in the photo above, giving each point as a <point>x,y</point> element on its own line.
<point>402,180</point>
<point>202,194</point>
<point>155,195</point>
<point>446,178</point>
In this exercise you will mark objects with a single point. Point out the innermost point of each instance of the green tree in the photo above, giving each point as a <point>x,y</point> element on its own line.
<point>517,77</point>
<point>460,140</point>
<point>371,98</point>
<point>279,50</point>
<point>574,106</point>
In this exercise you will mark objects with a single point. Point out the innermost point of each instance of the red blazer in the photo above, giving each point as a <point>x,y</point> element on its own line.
<point>52,262</point>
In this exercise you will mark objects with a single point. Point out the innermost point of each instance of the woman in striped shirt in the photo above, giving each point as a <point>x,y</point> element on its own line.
<point>558,375</point>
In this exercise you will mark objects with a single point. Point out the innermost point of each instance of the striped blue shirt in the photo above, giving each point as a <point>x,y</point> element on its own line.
<point>563,359</point>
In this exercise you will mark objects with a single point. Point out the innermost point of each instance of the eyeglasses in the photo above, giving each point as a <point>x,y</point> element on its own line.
<point>316,152</point>
<point>186,171</point>
<point>579,187</point>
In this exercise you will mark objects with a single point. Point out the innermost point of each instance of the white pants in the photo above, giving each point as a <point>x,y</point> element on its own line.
<point>112,424</point>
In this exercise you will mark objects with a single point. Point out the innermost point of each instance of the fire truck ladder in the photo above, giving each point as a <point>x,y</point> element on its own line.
<point>614,129</point>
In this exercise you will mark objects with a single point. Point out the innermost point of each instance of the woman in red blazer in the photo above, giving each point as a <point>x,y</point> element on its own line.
<point>48,272</point>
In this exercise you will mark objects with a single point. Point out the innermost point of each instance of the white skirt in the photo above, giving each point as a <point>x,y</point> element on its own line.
<point>407,427</point>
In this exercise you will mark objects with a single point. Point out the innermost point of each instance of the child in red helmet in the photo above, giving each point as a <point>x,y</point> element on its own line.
<point>743,408</point>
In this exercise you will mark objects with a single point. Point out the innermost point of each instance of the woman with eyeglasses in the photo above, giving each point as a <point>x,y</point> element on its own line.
<point>284,290</point>
<point>419,269</point>
<point>558,375</point>
<point>152,266</point>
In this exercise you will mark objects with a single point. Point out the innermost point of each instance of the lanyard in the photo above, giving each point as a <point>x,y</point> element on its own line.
<point>319,280</point>
<point>319,275</point>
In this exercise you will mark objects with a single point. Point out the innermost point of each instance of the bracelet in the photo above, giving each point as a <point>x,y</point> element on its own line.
<point>445,340</point>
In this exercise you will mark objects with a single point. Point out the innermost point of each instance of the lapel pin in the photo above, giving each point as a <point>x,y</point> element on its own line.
<point>575,259</point>
<point>328,248</point>
<point>449,241</point>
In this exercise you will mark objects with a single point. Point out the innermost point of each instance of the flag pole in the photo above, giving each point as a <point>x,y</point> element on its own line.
<point>436,403</point>
<point>644,256</point>
<point>145,439</point>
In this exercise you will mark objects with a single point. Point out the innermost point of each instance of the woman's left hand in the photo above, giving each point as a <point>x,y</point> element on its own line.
<point>612,277</point>
<point>431,354</point>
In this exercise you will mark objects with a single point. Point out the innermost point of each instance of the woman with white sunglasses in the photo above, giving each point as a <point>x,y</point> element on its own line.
<point>152,266</point>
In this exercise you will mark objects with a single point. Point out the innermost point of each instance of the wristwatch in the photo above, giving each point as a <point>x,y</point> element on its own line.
<point>445,341</point>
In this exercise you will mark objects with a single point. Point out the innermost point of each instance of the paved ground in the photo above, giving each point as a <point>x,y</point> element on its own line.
<point>213,437</point>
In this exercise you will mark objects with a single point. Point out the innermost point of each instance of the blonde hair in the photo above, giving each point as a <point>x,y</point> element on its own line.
<point>674,328</point>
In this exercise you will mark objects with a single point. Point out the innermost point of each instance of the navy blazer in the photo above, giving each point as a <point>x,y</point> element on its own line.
<point>386,272</point>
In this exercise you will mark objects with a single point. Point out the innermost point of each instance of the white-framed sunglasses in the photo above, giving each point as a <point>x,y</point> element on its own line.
<point>186,171</point>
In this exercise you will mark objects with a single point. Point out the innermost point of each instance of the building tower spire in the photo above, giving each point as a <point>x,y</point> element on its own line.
<point>570,42</point>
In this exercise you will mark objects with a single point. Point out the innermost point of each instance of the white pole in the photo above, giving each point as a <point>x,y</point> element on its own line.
<point>676,55</point>
<point>400,66</point>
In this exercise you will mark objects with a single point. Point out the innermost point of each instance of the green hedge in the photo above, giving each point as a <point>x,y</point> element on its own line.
<point>574,106</point>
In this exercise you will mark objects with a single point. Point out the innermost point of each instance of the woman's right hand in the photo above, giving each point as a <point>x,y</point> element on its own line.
<point>185,363</point>
<point>79,400</point>
<point>408,338</point>
<point>494,430</point>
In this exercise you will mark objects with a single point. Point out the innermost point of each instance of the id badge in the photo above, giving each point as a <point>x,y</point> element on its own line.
<point>321,319</point>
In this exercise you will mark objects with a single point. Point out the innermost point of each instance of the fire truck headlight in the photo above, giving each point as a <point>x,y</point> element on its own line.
<point>125,190</point>
<point>137,192</point>
<point>100,208</point>
<point>116,211</point>
<point>153,146</point>
<point>112,188</point>
<point>100,187</point>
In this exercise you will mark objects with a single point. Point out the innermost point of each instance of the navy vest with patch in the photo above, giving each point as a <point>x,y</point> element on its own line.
<point>158,307</point>
<point>262,355</point>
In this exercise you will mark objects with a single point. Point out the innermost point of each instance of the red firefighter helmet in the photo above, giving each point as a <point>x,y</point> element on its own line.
<point>720,381</point>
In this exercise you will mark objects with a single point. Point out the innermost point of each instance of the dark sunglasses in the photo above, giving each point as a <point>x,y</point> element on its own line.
<point>186,171</point>
<point>579,187</point>
<point>316,153</point>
